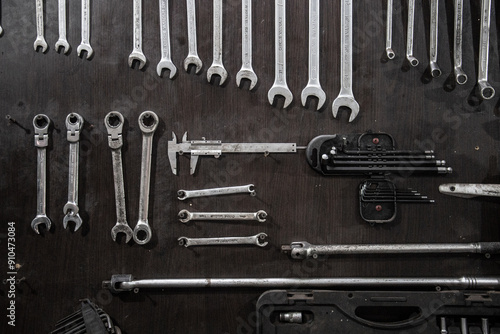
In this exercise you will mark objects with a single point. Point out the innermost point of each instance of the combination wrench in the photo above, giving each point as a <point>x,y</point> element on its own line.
<point>137,54</point>
<point>62,42</point>
<point>433,41</point>
<point>246,71</point>
<point>165,61</point>
<point>217,66</point>
<point>388,32</point>
<point>74,124</point>
<point>186,216</point>
<point>409,34</point>
<point>280,86</point>
<point>85,43</point>
<point>485,89</point>
<point>460,76</point>
<point>148,122</point>
<point>40,39</point>
<point>185,194</point>
<point>41,125</point>
<point>192,57</point>
<point>257,240</point>
<point>114,125</point>
<point>313,87</point>
<point>346,96</point>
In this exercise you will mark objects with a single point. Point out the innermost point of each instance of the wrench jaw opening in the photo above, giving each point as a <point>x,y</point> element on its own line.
<point>122,228</point>
<point>183,241</point>
<point>41,220</point>
<point>142,233</point>
<point>247,74</point>
<point>165,65</point>
<point>313,91</point>
<point>62,43</point>
<point>283,91</point>
<point>40,43</point>
<point>345,101</point>
<point>72,217</point>
<point>217,70</point>
<point>486,91</point>
<point>261,216</point>
<point>259,241</point>
<point>85,47</point>
<point>137,57</point>
<point>195,61</point>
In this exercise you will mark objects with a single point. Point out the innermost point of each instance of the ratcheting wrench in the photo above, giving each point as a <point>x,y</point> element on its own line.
<point>114,125</point>
<point>433,46</point>
<point>346,96</point>
<point>85,44</point>
<point>485,89</point>
<point>388,32</point>
<point>62,42</point>
<point>74,124</point>
<point>185,194</point>
<point>246,71</point>
<point>186,216</point>
<point>148,122</point>
<point>40,39</point>
<point>252,240</point>
<point>41,124</point>
<point>460,76</point>
<point>165,61</point>
<point>217,66</point>
<point>313,87</point>
<point>192,57</point>
<point>280,86</point>
<point>409,34</point>
<point>137,53</point>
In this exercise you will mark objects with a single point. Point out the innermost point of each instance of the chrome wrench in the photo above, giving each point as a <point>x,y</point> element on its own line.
<point>433,47</point>
<point>313,87</point>
<point>280,86</point>
<point>148,122</point>
<point>217,66</point>
<point>85,43</point>
<point>40,39</point>
<point>388,33</point>
<point>114,125</point>
<point>252,240</point>
<point>469,190</point>
<point>192,57</point>
<point>186,216</point>
<point>246,71</point>
<point>460,75</point>
<point>41,124</point>
<point>74,124</point>
<point>485,89</point>
<point>137,54</point>
<point>165,61</point>
<point>185,194</point>
<point>346,96</point>
<point>409,34</point>
<point>62,42</point>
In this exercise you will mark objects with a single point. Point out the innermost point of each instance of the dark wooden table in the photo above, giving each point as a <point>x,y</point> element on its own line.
<point>60,266</point>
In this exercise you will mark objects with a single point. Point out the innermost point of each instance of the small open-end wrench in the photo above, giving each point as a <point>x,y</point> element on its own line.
<point>217,66</point>
<point>460,76</point>
<point>74,124</point>
<point>246,71</point>
<point>192,57</point>
<point>137,54</point>
<point>186,216</point>
<point>409,34</point>
<point>41,125</point>
<point>62,42</point>
<point>185,194</point>
<point>40,39</point>
<point>313,87</point>
<point>256,240</point>
<point>433,41</point>
<point>114,125</point>
<point>346,96</point>
<point>280,86</point>
<point>85,43</point>
<point>165,61</point>
<point>388,32</point>
<point>148,122</point>
<point>485,89</point>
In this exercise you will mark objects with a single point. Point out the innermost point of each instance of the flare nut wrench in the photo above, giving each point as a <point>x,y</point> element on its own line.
<point>256,240</point>
<point>186,216</point>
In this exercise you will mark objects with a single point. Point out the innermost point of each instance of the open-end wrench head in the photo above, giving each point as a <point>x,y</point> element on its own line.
<point>280,90</point>
<point>486,90</point>
<point>122,228</point>
<point>137,56</point>
<point>41,220</point>
<point>62,43</point>
<point>345,101</point>
<point>316,91</point>
<point>246,74</point>
<point>142,233</point>
<point>148,122</point>
<point>218,70</point>
<point>40,43</point>
<point>193,60</point>
<point>85,47</point>
<point>166,64</point>
<point>72,217</point>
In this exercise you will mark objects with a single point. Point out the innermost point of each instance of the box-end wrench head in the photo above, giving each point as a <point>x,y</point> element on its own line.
<point>412,60</point>
<point>257,240</point>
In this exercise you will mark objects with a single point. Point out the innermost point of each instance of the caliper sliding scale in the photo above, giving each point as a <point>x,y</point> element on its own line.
<point>216,148</point>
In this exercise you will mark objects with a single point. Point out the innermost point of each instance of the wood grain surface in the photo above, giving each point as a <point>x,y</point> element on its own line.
<point>60,266</point>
